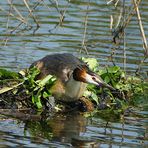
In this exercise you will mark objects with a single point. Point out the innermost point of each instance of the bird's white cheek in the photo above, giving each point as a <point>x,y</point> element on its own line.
<point>89,79</point>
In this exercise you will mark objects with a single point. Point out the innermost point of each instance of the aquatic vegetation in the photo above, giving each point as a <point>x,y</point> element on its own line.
<point>38,89</point>
<point>126,88</point>
<point>5,74</point>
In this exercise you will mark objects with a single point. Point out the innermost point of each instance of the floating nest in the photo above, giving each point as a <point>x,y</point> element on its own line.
<point>24,92</point>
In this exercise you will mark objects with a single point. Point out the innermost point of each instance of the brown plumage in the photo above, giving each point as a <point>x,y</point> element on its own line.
<point>62,66</point>
<point>59,65</point>
<point>72,75</point>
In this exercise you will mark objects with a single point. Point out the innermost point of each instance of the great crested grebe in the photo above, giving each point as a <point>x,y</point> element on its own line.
<point>72,75</point>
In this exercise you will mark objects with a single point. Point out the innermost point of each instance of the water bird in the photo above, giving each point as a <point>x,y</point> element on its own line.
<point>72,75</point>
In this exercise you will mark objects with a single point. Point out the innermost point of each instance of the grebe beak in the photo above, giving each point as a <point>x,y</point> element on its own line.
<point>92,78</point>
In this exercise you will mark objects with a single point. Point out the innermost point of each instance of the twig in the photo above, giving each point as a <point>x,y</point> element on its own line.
<point>85,30</point>
<point>113,2</point>
<point>62,14</point>
<point>30,12</point>
<point>6,39</point>
<point>18,113</point>
<point>124,41</point>
<point>11,4</point>
<point>120,31</point>
<point>145,45</point>
<point>139,66</point>
<point>6,89</point>
<point>120,27</point>
<point>11,14</point>
<point>10,110</point>
<point>8,18</point>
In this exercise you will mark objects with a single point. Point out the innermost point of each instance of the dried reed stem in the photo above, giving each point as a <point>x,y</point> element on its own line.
<point>8,18</point>
<point>11,14</point>
<point>22,21</point>
<point>31,14</point>
<point>85,30</point>
<point>62,13</point>
<point>124,38</point>
<point>145,45</point>
<point>17,11</point>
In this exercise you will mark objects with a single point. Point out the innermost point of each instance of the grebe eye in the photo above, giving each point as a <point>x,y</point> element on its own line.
<point>94,78</point>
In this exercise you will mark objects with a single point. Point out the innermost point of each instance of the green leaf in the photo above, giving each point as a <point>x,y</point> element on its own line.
<point>91,94</point>
<point>95,97</point>
<point>46,94</point>
<point>44,81</point>
<point>107,79</point>
<point>36,99</point>
<point>87,93</point>
<point>39,104</point>
<point>113,69</point>
<point>92,62</point>
<point>102,71</point>
<point>33,99</point>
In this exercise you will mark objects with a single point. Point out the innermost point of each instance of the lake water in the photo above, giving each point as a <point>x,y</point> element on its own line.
<point>85,28</point>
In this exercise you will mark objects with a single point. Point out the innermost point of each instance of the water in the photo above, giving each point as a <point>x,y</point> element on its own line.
<point>25,45</point>
<point>76,130</point>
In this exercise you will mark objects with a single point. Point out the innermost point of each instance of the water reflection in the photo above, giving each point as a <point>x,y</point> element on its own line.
<point>65,129</point>
<point>74,130</point>
<point>59,129</point>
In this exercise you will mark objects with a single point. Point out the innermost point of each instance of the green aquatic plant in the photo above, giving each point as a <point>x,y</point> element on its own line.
<point>9,80</point>
<point>13,83</point>
<point>6,74</point>
<point>127,88</point>
<point>38,89</point>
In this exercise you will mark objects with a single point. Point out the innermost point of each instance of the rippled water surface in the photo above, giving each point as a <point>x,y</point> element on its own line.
<point>83,22</point>
<point>76,131</point>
